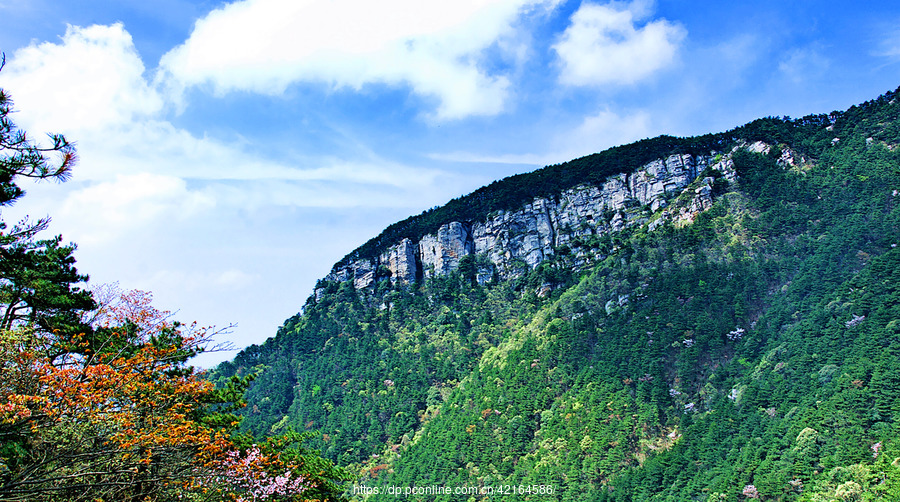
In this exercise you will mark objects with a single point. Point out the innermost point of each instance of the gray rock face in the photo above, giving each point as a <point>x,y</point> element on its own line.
<point>363,273</point>
<point>517,241</point>
<point>401,261</point>
<point>440,253</point>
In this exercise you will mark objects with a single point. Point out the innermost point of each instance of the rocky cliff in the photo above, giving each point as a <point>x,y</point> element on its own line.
<point>667,189</point>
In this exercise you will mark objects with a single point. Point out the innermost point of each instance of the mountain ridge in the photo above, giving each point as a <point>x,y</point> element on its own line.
<point>396,253</point>
<point>590,169</point>
<point>724,342</point>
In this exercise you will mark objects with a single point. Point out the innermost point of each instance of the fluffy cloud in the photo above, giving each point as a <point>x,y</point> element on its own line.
<point>434,47</point>
<point>104,212</point>
<point>92,87</point>
<point>604,45</point>
<point>92,80</point>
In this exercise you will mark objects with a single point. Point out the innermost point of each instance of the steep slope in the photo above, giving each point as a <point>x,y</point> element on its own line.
<point>689,319</point>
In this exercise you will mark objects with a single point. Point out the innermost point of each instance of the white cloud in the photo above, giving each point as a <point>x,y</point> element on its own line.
<point>93,79</point>
<point>604,45</point>
<point>91,86</point>
<point>138,170</point>
<point>435,47</point>
<point>103,212</point>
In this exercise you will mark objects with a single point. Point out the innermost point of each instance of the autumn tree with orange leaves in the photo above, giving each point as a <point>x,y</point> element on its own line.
<point>113,416</point>
<point>120,416</point>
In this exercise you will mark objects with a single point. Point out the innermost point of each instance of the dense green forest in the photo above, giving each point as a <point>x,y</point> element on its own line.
<point>752,354</point>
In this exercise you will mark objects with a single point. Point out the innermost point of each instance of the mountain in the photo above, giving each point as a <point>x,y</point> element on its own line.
<point>707,318</point>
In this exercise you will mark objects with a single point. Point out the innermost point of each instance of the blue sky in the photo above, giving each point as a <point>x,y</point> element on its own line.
<point>230,153</point>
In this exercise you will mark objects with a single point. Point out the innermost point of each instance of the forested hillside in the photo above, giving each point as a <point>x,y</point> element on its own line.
<point>751,351</point>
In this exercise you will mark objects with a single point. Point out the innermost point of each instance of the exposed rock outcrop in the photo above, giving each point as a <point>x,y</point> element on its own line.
<point>517,241</point>
<point>440,254</point>
<point>401,261</point>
